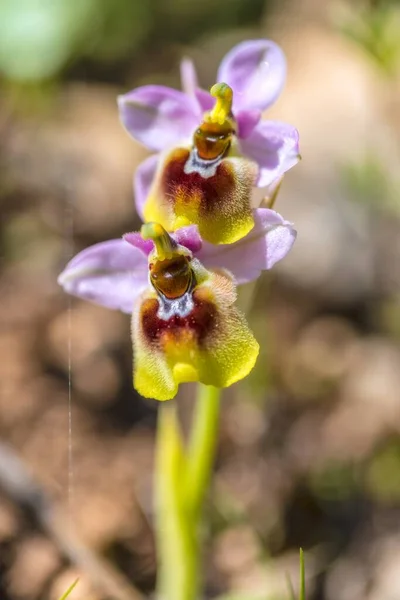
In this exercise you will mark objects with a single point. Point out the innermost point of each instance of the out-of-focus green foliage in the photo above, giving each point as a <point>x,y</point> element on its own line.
<point>369,182</point>
<point>375,28</point>
<point>120,26</point>
<point>389,316</point>
<point>336,481</point>
<point>183,19</point>
<point>382,476</point>
<point>38,38</point>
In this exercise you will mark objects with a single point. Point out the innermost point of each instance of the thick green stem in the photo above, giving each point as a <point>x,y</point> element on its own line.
<point>202,444</point>
<point>176,543</point>
<point>181,482</point>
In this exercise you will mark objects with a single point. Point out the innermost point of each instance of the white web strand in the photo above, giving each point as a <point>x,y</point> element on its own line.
<point>70,452</point>
<point>69,248</point>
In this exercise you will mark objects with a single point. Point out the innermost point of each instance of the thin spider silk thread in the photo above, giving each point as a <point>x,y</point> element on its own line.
<point>69,250</point>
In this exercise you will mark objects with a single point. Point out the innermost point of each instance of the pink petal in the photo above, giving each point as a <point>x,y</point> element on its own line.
<point>247,121</point>
<point>189,237</point>
<point>256,71</point>
<point>111,273</point>
<point>267,243</point>
<point>135,239</point>
<point>185,236</point>
<point>158,116</point>
<point>205,100</point>
<point>142,181</point>
<point>275,147</point>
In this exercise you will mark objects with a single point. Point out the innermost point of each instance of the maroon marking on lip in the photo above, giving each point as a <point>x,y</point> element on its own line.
<point>213,190</point>
<point>200,323</point>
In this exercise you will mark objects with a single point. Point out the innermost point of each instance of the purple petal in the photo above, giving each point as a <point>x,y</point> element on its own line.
<point>142,181</point>
<point>247,121</point>
<point>189,236</point>
<point>185,236</point>
<point>205,100</point>
<point>268,242</point>
<point>111,273</point>
<point>188,77</point>
<point>158,116</point>
<point>275,147</point>
<point>256,71</point>
<point>135,239</point>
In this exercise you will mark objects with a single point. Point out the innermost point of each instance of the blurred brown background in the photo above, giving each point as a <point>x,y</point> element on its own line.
<point>309,449</point>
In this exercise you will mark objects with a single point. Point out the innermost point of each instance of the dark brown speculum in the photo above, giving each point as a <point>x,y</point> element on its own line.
<point>172,276</point>
<point>212,140</point>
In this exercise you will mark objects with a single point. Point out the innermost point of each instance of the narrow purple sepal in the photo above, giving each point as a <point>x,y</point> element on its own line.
<point>189,80</point>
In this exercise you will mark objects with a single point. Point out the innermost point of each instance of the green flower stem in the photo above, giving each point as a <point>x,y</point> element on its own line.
<point>181,480</point>
<point>176,545</point>
<point>202,444</point>
<point>302,576</point>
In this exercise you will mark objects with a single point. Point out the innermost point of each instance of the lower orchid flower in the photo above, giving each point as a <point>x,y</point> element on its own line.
<point>181,293</point>
<point>211,157</point>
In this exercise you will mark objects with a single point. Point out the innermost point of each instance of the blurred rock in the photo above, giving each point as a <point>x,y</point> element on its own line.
<point>271,577</point>
<point>347,580</point>
<point>320,358</point>
<point>98,380</point>
<point>244,423</point>
<point>26,298</point>
<point>83,162</point>
<point>8,521</point>
<point>35,562</point>
<point>16,361</point>
<point>23,403</point>
<point>79,334</point>
<point>386,584</point>
<point>374,379</point>
<point>236,550</point>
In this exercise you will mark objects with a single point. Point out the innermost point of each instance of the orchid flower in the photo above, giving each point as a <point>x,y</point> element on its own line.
<point>214,146</point>
<point>181,293</point>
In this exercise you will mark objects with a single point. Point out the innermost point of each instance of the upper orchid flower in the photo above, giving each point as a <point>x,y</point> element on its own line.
<point>185,326</point>
<point>215,145</point>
